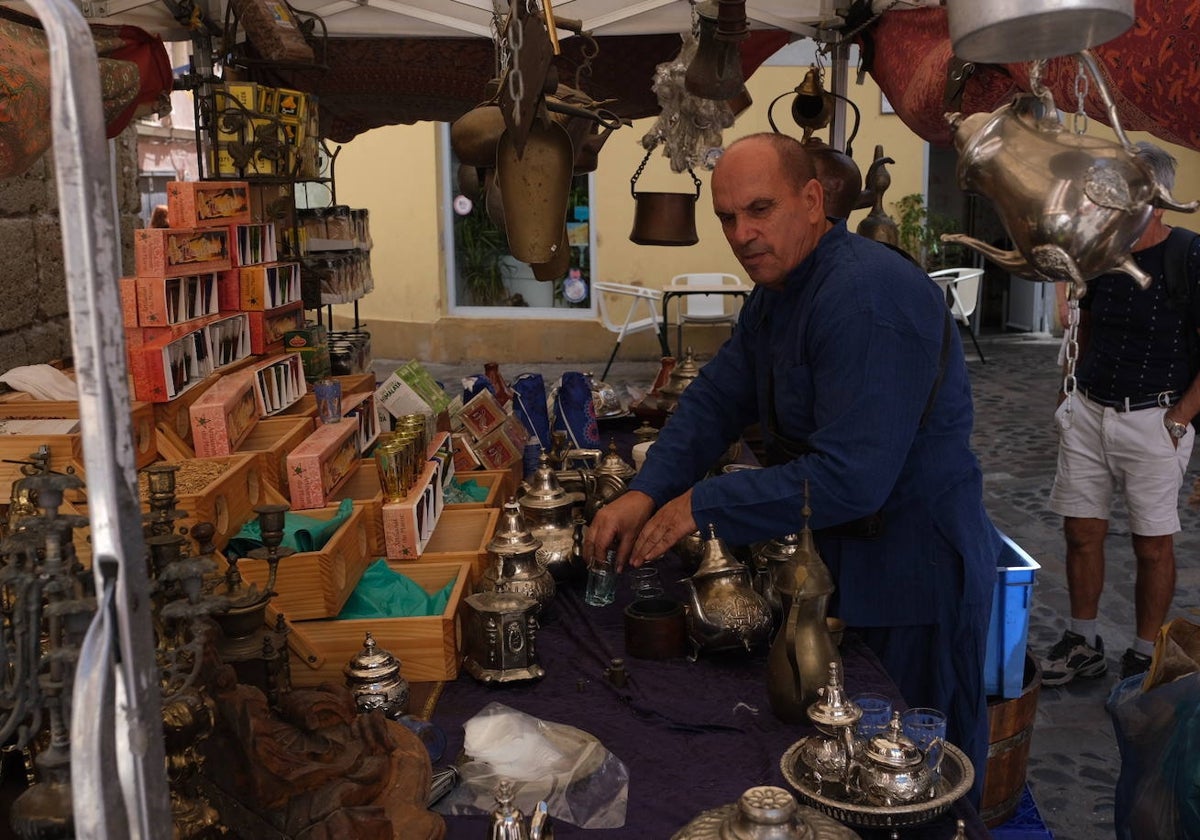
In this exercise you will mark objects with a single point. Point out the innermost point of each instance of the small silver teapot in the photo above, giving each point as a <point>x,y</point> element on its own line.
<point>373,677</point>
<point>892,770</point>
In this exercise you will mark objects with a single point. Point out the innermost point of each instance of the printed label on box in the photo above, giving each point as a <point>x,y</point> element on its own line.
<point>224,415</point>
<point>482,414</point>
<point>199,204</point>
<point>174,252</point>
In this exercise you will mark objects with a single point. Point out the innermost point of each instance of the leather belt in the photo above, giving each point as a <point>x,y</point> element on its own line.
<point>1163,399</point>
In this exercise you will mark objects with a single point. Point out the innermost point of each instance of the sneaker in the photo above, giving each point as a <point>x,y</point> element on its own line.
<point>1133,663</point>
<point>1073,657</point>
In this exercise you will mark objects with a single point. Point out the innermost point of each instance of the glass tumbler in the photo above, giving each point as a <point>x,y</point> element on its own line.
<point>329,400</point>
<point>602,581</point>
<point>926,728</point>
<point>876,713</point>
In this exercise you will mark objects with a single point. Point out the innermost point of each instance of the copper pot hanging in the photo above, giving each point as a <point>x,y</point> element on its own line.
<point>663,218</point>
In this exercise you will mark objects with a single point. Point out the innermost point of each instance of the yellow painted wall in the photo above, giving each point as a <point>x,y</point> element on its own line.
<point>395,172</point>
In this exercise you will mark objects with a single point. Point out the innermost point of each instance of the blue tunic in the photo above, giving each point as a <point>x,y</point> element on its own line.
<point>850,346</point>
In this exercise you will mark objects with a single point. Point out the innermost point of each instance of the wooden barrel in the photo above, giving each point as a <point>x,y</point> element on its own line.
<point>1010,725</point>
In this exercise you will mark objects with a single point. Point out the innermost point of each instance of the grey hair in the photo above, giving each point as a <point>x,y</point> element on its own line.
<point>1160,162</point>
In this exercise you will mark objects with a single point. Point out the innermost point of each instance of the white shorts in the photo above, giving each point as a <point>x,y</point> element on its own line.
<point>1104,449</point>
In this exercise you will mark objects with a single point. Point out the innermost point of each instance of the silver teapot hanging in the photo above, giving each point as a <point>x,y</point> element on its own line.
<point>1073,204</point>
<point>373,677</point>
<point>514,566</point>
<point>892,770</point>
<point>725,613</point>
<point>550,514</point>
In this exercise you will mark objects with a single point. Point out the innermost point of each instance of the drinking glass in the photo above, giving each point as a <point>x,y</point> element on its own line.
<point>329,400</point>
<point>602,581</point>
<point>876,713</point>
<point>926,728</point>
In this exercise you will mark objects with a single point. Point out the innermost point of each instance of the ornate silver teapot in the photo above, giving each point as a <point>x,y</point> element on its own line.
<point>1073,204</point>
<point>892,770</point>
<point>514,565</point>
<point>829,755</point>
<point>549,512</point>
<point>373,677</point>
<point>725,613</point>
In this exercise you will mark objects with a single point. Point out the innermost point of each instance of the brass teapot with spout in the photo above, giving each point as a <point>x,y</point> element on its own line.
<point>724,611</point>
<point>1073,204</point>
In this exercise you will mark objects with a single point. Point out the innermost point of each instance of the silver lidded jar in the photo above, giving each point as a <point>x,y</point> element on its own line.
<point>373,677</point>
<point>513,564</point>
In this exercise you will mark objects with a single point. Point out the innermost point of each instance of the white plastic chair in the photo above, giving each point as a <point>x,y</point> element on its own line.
<point>963,287</point>
<point>705,308</point>
<point>631,321</point>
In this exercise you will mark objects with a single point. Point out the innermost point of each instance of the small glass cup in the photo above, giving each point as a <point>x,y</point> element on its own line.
<point>876,713</point>
<point>602,581</point>
<point>329,400</point>
<point>926,728</point>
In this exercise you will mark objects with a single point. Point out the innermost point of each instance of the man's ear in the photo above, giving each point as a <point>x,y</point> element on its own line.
<point>813,196</point>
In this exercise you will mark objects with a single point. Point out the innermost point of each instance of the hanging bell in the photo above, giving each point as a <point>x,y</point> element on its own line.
<point>556,267</point>
<point>715,72</point>
<point>663,218</point>
<point>535,187</point>
<point>812,107</point>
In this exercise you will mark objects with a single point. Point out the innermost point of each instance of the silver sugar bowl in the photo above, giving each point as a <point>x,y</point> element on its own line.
<point>373,677</point>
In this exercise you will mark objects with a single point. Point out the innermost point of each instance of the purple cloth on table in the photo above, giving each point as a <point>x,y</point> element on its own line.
<point>694,735</point>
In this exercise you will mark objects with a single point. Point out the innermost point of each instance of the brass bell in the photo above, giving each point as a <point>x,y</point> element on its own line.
<point>662,218</point>
<point>715,72</point>
<point>813,107</point>
<point>535,187</point>
<point>556,267</point>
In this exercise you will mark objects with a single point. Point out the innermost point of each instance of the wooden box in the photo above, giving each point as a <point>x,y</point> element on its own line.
<point>66,451</point>
<point>174,252</point>
<point>427,646</point>
<point>315,584</point>
<point>175,417</point>
<point>224,415</point>
<point>494,480</point>
<point>409,523</point>
<point>22,407</point>
<point>226,501</point>
<point>462,535</point>
<point>198,204</point>
<point>272,440</point>
<point>321,464</point>
<point>166,301</point>
<point>363,487</point>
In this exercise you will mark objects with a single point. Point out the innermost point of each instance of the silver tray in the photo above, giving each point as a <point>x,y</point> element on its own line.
<point>957,776</point>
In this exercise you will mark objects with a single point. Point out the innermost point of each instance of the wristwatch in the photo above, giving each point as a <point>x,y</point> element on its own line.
<point>1176,429</point>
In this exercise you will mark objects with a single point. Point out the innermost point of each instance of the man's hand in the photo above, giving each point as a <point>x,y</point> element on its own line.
<point>617,523</point>
<point>672,522</point>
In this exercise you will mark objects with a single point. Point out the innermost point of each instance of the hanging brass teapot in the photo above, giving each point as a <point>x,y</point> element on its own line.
<point>1073,204</point>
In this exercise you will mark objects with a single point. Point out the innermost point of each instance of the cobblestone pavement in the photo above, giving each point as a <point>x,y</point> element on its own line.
<point>1073,762</point>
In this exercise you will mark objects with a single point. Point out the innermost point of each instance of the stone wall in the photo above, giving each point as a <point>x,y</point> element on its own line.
<point>34,320</point>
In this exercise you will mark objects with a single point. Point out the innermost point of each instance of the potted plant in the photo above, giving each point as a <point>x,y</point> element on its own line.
<point>921,231</point>
<point>479,247</point>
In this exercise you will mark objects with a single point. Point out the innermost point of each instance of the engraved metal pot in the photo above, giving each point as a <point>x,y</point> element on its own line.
<point>1073,204</point>
<point>549,513</point>
<point>513,565</point>
<point>373,677</point>
<point>725,613</point>
<point>764,813</point>
<point>892,769</point>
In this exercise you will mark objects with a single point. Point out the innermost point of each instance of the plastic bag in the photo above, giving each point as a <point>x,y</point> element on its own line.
<point>582,782</point>
<point>1157,725</point>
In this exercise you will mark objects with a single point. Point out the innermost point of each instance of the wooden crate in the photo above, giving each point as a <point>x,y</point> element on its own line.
<point>271,441</point>
<point>22,406</point>
<point>426,646</point>
<point>363,488</point>
<point>315,584</point>
<point>176,414</point>
<point>66,453</point>
<point>462,535</point>
<point>227,502</point>
<point>494,480</point>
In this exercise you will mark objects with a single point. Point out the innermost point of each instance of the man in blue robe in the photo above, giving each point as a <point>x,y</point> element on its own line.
<point>846,357</point>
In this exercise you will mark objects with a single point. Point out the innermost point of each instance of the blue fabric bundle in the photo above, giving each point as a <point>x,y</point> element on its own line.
<point>529,406</point>
<point>575,413</point>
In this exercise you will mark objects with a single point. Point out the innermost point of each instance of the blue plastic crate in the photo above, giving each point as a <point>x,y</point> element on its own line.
<point>1004,667</point>
<point>1025,823</point>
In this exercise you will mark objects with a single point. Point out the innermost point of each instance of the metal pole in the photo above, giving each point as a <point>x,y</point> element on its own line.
<point>119,786</point>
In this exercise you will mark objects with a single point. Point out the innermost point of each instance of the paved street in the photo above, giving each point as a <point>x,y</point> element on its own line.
<point>1074,763</point>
